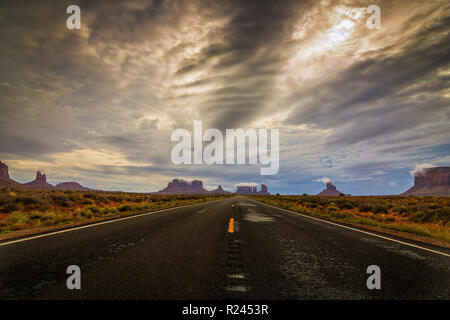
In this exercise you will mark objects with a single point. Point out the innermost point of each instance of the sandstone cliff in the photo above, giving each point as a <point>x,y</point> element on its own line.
<point>5,180</point>
<point>243,189</point>
<point>71,186</point>
<point>431,182</point>
<point>180,186</point>
<point>40,182</point>
<point>220,190</point>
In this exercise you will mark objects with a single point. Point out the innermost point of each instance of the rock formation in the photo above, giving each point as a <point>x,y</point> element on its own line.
<point>331,191</point>
<point>264,190</point>
<point>431,182</point>
<point>5,180</point>
<point>71,186</point>
<point>243,189</point>
<point>220,190</point>
<point>4,173</point>
<point>40,182</point>
<point>180,186</point>
<point>246,190</point>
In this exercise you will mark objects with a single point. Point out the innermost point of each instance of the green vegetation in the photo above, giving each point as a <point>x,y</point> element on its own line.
<point>426,216</point>
<point>28,208</point>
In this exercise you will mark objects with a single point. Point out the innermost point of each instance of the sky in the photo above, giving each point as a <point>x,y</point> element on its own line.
<point>362,107</point>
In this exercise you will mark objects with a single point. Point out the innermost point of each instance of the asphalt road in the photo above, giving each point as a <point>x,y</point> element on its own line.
<point>189,253</point>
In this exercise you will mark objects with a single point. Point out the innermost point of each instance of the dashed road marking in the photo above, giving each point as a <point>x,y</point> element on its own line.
<point>236,276</point>
<point>237,288</point>
<point>231,226</point>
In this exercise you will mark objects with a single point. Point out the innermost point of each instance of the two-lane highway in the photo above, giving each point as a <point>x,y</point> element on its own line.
<point>196,252</point>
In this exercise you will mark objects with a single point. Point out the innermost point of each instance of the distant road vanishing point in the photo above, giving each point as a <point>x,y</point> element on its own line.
<point>233,248</point>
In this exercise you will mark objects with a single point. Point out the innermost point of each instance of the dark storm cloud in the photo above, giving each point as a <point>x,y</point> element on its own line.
<point>248,48</point>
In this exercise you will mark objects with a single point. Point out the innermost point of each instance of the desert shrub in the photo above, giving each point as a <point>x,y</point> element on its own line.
<point>66,203</point>
<point>338,214</point>
<point>126,207</point>
<point>28,199</point>
<point>346,205</point>
<point>442,215</point>
<point>18,218</point>
<point>94,209</point>
<point>42,206</point>
<point>85,212</point>
<point>57,198</point>
<point>35,216</point>
<point>331,209</point>
<point>380,208</point>
<point>90,195</point>
<point>420,216</point>
<point>310,205</point>
<point>110,210</point>
<point>114,198</point>
<point>5,198</point>
<point>365,207</point>
<point>145,205</point>
<point>10,207</point>
<point>401,210</point>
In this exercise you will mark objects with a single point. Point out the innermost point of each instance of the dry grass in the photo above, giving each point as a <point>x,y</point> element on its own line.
<point>27,208</point>
<point>424,216</point>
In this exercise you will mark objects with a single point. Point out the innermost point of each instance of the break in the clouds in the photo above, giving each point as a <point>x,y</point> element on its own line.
<point>97,105</point>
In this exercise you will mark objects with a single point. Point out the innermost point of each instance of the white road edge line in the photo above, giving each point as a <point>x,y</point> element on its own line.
<point>98,223</point>
<point>358,230</point>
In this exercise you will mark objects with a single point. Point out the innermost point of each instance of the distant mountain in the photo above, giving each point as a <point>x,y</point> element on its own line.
<point>40,182</point>
<point>431,182</point>
<point>331,191</point>
<point>251,189</point>
<point>5,180</point>
<point>180,186</point>
<point>71,186</point>
<point>220,190</point>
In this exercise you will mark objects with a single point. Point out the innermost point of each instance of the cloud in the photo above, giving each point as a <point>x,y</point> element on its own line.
<point>350,103</point>
<point>323,180</point>
<point>419,169</point>
<point>247,184</point>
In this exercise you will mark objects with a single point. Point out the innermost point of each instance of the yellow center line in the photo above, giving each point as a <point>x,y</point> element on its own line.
<point>231,226</point>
